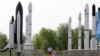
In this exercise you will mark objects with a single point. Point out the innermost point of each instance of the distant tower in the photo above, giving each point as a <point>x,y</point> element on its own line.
<point>93,42</point>
<point>28,42</point>
<point>69,35</point>
<point>79,33</point>
<point>86,28</point>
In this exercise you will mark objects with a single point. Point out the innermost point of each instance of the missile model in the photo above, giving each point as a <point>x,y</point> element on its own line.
<point>93,41</point>
<point>29,23</point>
<point>79,33</point>
<point>10,44</point>
<point>28,43</point>
<point>19,26</point>
<point>69,35</point>
<point>86,28</point>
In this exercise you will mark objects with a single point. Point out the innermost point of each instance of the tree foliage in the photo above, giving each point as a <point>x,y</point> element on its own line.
<point>75,38</point>
<point>58,39</point>
<point>3,40</point>
<point>45,38</point>
<point>62,36</point>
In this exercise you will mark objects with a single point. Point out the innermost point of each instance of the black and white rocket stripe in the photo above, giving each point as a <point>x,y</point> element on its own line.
<point>20,10</point>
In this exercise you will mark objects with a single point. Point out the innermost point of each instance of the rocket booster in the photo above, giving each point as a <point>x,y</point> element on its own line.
<point>86,28</point>
<point>20,9</point>
<point>10,44</point>
<point>19,26</point>
<point>79,33</point>
<point>69,35</point>
<point>93,41</point>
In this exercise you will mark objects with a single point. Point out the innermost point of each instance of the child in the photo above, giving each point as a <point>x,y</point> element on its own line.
<point>50,50</point>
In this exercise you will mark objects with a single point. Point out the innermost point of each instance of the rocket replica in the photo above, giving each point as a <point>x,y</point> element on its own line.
<point>86,28</point>
<point>28,43</point>
<point>19,26</point>
<point>15,29</point>
<point>93,41</point>
<point>10,44</point>
<point>69,35</point>
<point>79,32</point>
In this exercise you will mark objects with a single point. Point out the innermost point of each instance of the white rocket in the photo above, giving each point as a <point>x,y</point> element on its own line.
<point>10,44</point>
<point>29,25</point>
<point>69,35</point>
<point>28,41</point>
<point>11,32</point>
<point>93,41</point>
<point>86,28</point>
<point>18,32</point>
<point>79,33</point>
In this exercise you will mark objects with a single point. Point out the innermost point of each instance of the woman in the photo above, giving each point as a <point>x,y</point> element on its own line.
<point>53,53</point>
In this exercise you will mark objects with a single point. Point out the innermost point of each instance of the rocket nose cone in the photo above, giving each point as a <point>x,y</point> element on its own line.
<point>79,16</point>
<point>70,19</point>
<point>93,10</point>
<point>12,19</point>
<point>19,3</point>
<point>30,7</point>
<point>99,9</point>
<point>86,8</point>
<point>20,9</point>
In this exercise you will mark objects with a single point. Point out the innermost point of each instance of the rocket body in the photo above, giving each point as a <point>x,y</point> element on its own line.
<point>10,44</point>
<point>19,27</point>
<point>28,28</point>
<point>93,41</point>
<point>11,33</point>
<point>18,32</point>
<point>28,43</point>
<point>79,33</point>
<point>69,35</point>
<point>86,28</point>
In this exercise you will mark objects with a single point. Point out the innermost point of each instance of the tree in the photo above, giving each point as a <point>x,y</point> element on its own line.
<point>3,40</point>
<point>45,38</point>
<point>62,36</point>
<point>36,42</point>
<point>59,39</point>
<point>75,38</point>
